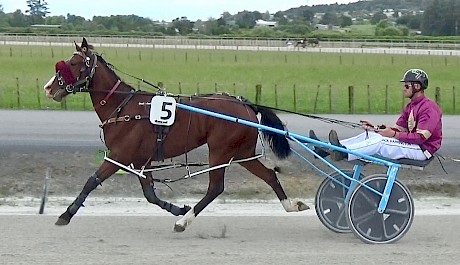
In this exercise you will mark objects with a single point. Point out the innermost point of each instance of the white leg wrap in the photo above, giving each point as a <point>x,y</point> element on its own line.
<point>294,205</point>
<point>187,219</point>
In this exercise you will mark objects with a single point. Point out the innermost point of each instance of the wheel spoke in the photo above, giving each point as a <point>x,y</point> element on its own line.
<point>398,212</point>
<point>364,218</point>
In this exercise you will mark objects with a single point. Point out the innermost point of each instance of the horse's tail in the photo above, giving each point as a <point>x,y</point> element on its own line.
<point>278,142</point>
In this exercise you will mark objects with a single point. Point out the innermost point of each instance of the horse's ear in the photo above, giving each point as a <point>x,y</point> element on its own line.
<point>85,47</point>
<point>84,43</point>
<point>78,48</point>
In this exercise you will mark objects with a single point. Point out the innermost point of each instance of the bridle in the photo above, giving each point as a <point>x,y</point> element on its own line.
<point>73,85</point>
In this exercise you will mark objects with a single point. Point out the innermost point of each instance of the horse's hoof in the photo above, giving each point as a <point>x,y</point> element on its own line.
<point>302,206</point>
<point>179,228</point>
<point>62,221</point>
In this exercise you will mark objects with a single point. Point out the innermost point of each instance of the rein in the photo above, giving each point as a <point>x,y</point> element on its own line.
<point>324,119</point>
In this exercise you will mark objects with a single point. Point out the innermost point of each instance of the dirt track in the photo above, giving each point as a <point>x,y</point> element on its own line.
<point>216,240</point>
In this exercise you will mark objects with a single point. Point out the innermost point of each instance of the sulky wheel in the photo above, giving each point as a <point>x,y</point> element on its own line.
<point>371,226</point>
<point>330,202</point>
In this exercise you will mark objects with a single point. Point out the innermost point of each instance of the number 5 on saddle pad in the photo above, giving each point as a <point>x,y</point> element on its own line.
<point>162,110</point>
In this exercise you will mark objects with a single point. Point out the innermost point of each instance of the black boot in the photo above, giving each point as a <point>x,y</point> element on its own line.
<point>318,150</point>
<point>334,140</point>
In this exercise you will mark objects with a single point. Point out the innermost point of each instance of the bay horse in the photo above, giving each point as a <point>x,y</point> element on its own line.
<point>131,138</point>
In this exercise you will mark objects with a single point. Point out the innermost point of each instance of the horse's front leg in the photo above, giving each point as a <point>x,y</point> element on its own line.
<point>106,170</point>
<point>149,193</point>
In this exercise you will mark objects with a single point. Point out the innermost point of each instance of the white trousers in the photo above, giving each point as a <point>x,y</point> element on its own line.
<point>372,143</point>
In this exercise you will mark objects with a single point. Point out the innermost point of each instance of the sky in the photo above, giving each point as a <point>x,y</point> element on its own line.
<point>166,10</point>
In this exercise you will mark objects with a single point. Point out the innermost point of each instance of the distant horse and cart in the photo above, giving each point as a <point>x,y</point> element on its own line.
<point>141,128</point>
<point>305,42</point>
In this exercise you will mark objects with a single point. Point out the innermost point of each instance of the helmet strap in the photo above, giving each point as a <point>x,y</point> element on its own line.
<point>413,89</point>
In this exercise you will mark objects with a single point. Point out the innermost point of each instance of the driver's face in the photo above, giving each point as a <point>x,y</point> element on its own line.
<point>408,88</point>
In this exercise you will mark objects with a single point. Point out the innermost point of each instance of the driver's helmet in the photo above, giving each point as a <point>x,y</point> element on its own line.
<point>416,75</point>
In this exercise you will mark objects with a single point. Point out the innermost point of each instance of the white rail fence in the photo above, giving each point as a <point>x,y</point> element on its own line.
<point>440,48</point>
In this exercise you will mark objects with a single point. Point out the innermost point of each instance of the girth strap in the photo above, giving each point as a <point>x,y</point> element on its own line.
<point>161,132</point>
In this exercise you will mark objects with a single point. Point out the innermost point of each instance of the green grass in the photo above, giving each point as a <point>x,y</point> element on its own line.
<point>25,69</point>
<point>365,29</point>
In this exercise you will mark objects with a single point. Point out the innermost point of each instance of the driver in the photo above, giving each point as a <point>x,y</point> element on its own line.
<point>416,135</point>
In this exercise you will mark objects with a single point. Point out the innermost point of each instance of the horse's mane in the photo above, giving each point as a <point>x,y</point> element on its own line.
<point>110,66</point>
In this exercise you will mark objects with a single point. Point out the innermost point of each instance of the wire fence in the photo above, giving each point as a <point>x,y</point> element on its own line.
<point>295,98</point>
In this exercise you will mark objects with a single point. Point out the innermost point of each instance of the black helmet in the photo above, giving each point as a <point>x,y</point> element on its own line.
<point>416,75</point>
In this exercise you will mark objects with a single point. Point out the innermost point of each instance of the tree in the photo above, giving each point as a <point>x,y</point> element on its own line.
<point>411,21</point>
<point>3,19</point>
<point>246,19</point>
<point>17,19</point>
<point>37,10</point>
<point>377,17</point>
<point>307,15</point>
<point>329,19</point>
<point>384,28</point>
<point>280,18</point>
<point>182,25</point>
<point>441,18</point>
<point>345,21</point>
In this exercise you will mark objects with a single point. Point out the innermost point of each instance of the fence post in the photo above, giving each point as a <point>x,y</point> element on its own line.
<point>258,94</point>
<point>330,98</point>
<point>161,85</point>
<point>276,96</point>
<point>38,93</point>
<point>315,104</point>
<point>17,92</point>
<point>351,108</point>
<point>438,96</point>
<point>215,87</point>
<point>386,99</point>
<point>453,99</point>
<point>368,98</point>
<point>295,98</point>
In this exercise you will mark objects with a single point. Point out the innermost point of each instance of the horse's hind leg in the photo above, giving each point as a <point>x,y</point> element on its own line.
<point>149,193</point>
<point>215,188</point>
<point>269,176</point>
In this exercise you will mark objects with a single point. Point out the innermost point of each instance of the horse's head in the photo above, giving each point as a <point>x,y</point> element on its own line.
<point>73,75</point>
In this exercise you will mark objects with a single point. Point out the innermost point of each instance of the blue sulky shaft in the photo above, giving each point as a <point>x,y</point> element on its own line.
<point>392,167</point>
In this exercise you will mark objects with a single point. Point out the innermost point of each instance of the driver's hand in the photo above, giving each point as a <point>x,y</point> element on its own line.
<point>386,131</point>
<point>367,125</point>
